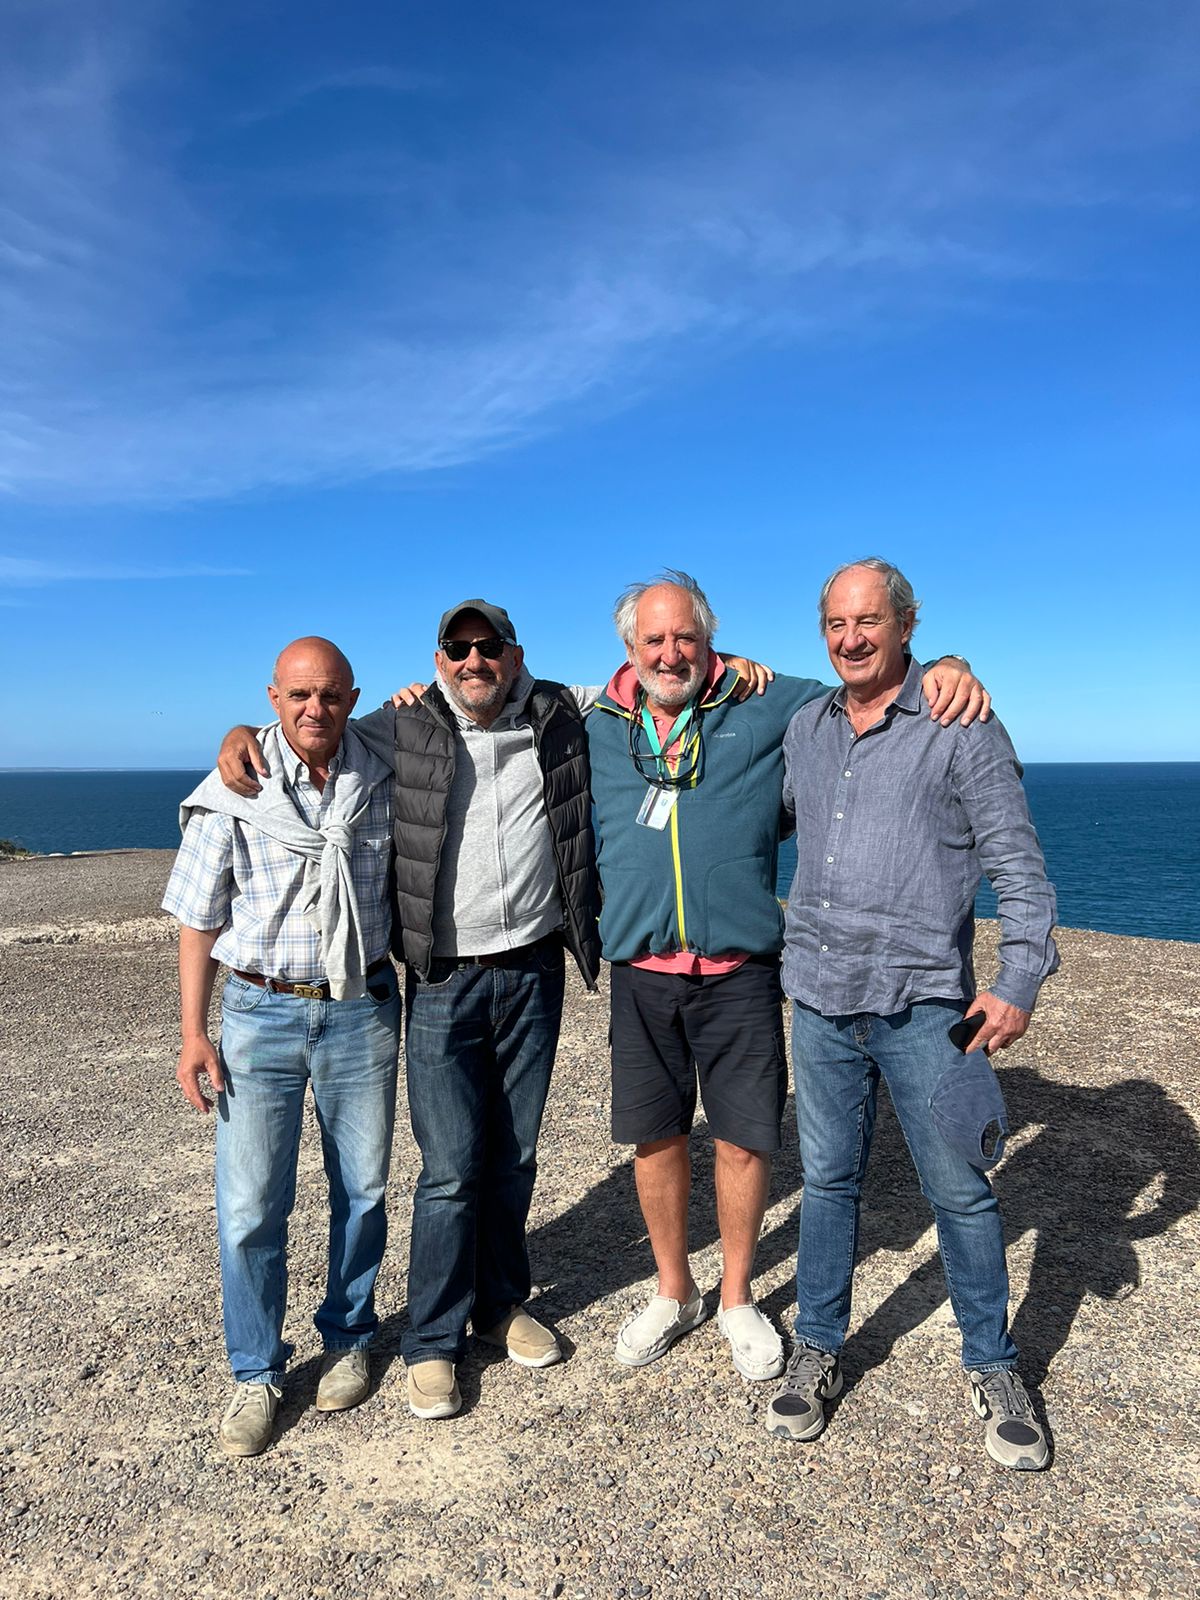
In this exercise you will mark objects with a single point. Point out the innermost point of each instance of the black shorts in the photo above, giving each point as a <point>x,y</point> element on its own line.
<point>727,1030</point>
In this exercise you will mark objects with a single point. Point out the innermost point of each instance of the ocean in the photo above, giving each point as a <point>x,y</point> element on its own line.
<point>1122,839</point>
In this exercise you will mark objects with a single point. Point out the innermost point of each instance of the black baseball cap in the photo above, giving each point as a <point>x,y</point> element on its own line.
<point>968,1109</point>
<point>495,616</point>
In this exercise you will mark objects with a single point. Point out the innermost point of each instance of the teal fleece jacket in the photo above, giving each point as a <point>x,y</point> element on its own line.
<point>705,882</point>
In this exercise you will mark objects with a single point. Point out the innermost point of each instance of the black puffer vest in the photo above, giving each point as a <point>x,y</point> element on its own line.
<point>424,771</point>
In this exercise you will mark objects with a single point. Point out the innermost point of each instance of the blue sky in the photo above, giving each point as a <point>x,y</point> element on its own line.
<point>318,319</point>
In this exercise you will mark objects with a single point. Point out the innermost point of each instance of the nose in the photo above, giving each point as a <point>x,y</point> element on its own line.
<point>670,655</point>
<point>852,637</point>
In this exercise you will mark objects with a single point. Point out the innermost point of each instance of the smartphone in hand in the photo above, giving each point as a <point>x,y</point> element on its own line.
<point>961,1033</point>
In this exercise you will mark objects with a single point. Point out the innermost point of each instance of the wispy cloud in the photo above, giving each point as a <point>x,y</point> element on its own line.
<point>187,331</point>
<point>21,572</point>
<point>377,77</point>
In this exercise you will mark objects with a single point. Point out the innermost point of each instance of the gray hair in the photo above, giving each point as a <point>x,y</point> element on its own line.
<point>625,610</point>
<point>900,594</point>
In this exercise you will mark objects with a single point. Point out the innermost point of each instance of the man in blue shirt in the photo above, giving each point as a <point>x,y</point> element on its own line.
<point>896,820</point>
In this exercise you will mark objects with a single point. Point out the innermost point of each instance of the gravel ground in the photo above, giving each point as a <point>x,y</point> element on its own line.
<point>584,1480</point>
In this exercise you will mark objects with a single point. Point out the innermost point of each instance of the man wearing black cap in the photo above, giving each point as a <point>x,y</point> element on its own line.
<point>495,878</point>
<point>896,821</point>
<point>495,873</point>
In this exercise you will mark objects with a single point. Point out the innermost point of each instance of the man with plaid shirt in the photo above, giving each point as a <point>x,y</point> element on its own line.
<point>290,891</point>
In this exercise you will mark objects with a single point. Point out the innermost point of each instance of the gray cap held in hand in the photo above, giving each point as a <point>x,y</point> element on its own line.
<point>966,1102</point>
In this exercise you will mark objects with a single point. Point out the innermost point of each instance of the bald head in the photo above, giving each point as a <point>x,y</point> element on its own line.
<point>313,648</point>
<point>313,695</point>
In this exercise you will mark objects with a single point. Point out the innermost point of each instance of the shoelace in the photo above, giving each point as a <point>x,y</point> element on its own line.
<point>254,1394</point>
<point>1006,1393</point>
<point>804,1369</point>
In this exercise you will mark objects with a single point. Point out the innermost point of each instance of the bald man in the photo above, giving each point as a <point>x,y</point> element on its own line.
<point>289,890</point>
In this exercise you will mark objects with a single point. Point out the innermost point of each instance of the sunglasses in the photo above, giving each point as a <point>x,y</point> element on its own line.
<point>459,649</point>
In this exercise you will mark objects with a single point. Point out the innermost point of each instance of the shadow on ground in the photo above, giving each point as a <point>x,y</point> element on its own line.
<point>1106,1168</point>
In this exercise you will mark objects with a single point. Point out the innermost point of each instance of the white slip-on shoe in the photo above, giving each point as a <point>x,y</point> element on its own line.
<point>651,1332</point>
<point>757,1348</point>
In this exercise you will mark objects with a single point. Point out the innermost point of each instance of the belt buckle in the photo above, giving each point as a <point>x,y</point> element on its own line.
<point>307,991</point>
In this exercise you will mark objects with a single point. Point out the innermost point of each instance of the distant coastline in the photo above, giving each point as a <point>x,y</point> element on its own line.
<point>1121,839</point>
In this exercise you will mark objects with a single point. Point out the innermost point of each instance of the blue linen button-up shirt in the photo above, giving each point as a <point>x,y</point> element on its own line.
<point>894,828</point>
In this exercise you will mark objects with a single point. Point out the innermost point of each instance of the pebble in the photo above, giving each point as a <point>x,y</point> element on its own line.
<point>580,1481</point>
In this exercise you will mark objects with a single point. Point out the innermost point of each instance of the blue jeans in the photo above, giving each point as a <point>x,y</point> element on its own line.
<point>838,1062</point>
<point>272,1047</point>
<point>479,1047</point>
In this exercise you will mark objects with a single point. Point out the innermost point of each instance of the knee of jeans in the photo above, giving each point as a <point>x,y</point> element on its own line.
<point>247,1220</point>
<point>827,1167</point>
<point>827,1181</point>
<point>960,1195</point>
<point>440,1183</point>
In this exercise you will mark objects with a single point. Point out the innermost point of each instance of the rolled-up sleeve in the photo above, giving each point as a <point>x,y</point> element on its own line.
<point>987,777</point>
<point>200,889</point>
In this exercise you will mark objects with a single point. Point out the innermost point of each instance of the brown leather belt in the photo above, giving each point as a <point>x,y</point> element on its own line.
<point>302,991</point>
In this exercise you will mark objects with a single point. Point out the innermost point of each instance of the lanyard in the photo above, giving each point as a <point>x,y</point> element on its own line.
<point>677,728</point>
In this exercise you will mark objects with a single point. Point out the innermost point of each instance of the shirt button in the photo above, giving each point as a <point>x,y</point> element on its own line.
<point>825,905</point>
<point>847,774</point>
<point>829,859</point>
<point>824,947</point>
<point>839,815</point>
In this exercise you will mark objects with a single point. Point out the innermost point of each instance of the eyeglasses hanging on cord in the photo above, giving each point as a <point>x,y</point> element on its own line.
<point>650,758</point>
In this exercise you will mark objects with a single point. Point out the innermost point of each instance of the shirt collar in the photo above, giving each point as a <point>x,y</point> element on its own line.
<point>297,768</point>
<point>908,695</point>
<point>623,686</point>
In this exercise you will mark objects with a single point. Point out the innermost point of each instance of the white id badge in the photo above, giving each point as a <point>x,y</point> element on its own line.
<point>655,810</point>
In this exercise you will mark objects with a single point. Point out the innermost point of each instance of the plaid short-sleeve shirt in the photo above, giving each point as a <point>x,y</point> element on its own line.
<point>230,876</point>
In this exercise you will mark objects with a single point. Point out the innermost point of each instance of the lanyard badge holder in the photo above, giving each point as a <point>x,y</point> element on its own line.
<point>662,795</point>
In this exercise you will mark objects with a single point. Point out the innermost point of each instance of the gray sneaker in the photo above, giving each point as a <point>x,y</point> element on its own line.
<point>651,1332</point>
<point>249,1421</point>
<point>345,1380</point>
<point>1014,1436</point>
<point>797,1409</point>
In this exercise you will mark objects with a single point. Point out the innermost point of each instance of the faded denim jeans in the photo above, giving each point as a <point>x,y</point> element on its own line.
<point>838,1062</point>
<point>272,1047</point>
<point>479,1050</point>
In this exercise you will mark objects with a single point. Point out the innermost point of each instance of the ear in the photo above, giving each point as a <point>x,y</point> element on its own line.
<point>518,657</point>
<point>354,694</point>
<point>907,625</point>
<point>273,697</point>
<point>439,663</point>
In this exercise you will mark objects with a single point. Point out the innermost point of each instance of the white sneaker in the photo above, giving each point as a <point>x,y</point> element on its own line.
<point>757,1348</point>
<point>650,1333</point>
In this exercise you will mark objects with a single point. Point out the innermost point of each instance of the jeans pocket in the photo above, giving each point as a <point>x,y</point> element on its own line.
<point>438,983</point>
<point>550,957</point>
<point>240,996</point>
<point>383,989</point>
